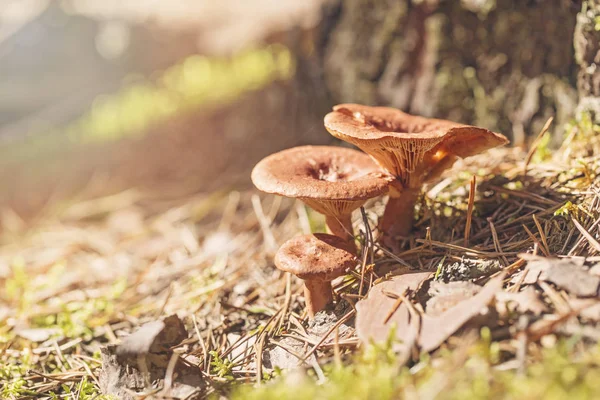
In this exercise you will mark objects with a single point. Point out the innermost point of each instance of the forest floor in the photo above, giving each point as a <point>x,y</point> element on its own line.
<point>138,297</point>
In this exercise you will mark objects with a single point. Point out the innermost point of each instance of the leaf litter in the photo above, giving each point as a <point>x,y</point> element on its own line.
<point>81,282</point>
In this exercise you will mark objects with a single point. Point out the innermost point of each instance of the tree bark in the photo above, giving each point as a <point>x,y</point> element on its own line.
<point>587,55</point>
<point>507,65</point>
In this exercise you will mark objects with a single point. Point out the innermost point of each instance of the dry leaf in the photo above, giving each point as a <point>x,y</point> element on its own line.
<point>573,278</point>
<point>287,354</point>
<point>38,334</point>
<point>426,331</point>
<point>379,313</point>
<point>154,337</point>
<point>435,330</point>
<point>447,295</point>
<point>525,301</point>
<point>144,358</point>
<point>595,270</point>
<point>590,308</point>
<point>566,273</point>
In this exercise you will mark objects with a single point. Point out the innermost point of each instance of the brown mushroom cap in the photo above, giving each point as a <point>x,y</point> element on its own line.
<point>319,257</point>
<point>320,172</point>
<point>403,143</point>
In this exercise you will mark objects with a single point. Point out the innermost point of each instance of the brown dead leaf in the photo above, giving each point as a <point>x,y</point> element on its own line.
<point>145,362</point>
<point>435,330</point>
<point>372,312</point>
<point>573,278</point>
<point>526,301</point>
<point>447,295</point>
<point>568,273</point>
<point>550,324</point>
<point>154,337</point>
<point>595,270</point>
<point>532,275</point>
<point>287,354</point>
<point>426,331</point>
<point>590,308</point>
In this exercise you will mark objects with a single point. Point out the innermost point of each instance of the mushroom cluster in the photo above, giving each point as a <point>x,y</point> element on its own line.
<point>400,153</point>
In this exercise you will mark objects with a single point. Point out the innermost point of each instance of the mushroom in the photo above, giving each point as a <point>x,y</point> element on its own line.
<point>317,259</point>
<point>413,149</point>
<point>332,180</point>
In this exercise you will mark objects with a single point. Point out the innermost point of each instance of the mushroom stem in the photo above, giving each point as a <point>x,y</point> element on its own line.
<point>317,294</point>
<point>398,217</point>
<point>341,226</point>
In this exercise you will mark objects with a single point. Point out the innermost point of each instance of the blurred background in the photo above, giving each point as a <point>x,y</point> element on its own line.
<point>185,96</point>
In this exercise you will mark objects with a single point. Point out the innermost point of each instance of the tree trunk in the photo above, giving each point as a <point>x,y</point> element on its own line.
<point>587,54</point>
<point>507,65</point>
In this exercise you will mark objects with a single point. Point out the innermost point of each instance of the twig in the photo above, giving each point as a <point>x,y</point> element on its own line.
<point>336,349</point>
<point>326,335</point>
<point>399,299</point>
<point>270,243</point>
<point>593,242</point>
<point>532,236</point>
<point>497,242</point>
<point>470,209</point>
<point>542,234</point>
<point>258,349</point>
<point>366,248</point>
<point>536,143</point>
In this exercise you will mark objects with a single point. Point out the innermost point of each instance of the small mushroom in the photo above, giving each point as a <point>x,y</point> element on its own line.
<point>332,180</point>
<point>413,149</point>
<point>317,259</point>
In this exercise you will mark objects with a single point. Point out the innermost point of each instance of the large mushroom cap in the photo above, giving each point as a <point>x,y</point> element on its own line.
<point>320,172</point>
<point>318,256</point>
<point>403,143</point>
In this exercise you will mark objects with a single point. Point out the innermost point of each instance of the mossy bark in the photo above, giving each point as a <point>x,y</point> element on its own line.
<point>507,65</point>
<point>587,55</point>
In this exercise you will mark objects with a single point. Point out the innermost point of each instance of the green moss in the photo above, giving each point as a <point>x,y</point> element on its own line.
<point>597,23</point>
<point>559,372</point>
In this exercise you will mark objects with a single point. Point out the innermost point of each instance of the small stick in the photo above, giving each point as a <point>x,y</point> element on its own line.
<point>464,249</point>
<point>336,349</point>
<point>428,237</point>
<point>326,335</point>
<point>365,254</point>
<point>268,237</point>
<point>593,242</point>
<point>397,303</point>
<point>470,209</point>
<point>531,235</point>
<point>228,215</point>
<point>287,301</point>
<point>393,256</point>
<point>536,143</point>
<point>168,381</point>
<point>497,245</point>
<point>542,234</point>
<point>258,350</point>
